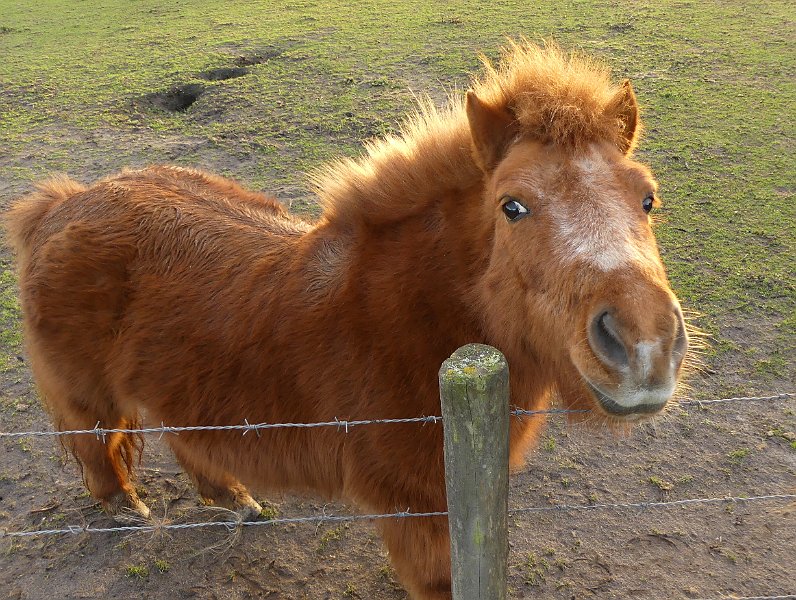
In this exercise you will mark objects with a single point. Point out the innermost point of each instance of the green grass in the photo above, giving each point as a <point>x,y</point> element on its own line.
<point>137,571</point>
<point>739,456</point>
<point>717,81</point>
<point>162,566</point>
<point>329,536</point>
<point>10,334</point>
<point>535,569</point>
<point>269,513</point>
<point>661,484</point>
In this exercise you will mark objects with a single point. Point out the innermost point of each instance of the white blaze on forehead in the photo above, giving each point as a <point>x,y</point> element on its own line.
<point>597,228</point>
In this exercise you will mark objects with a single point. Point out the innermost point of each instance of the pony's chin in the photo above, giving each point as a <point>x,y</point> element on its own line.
<point>643,409</point>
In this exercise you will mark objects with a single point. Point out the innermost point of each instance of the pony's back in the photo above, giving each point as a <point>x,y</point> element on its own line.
<point>24,218</point>
<point>148,271</point>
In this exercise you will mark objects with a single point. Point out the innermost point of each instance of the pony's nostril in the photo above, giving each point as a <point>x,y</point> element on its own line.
<point>606,342</point>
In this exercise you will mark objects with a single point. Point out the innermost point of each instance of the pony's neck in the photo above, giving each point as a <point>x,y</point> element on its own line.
<point>413,207</point>
<point>417,275</point>
<point>414,216</point>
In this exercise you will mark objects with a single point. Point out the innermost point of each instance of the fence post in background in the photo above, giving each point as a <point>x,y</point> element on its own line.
<point>474,389</point>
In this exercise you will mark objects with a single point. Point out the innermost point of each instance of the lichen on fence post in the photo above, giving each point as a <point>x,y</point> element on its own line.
<point>474,389</point>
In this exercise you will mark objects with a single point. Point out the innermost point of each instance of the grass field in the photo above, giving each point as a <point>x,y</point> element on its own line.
<point>716,81</point>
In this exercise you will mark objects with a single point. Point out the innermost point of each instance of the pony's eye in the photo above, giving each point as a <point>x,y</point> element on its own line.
<point>513,209</point>
<point>648,203</point>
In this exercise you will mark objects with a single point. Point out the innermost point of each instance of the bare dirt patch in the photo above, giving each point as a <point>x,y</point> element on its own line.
<point>257,58</point>
<point>176,99</point>
<point>701,551</point>
<point>223,73</point>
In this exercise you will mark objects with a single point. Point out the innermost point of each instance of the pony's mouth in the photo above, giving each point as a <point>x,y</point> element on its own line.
<point>615,409</point>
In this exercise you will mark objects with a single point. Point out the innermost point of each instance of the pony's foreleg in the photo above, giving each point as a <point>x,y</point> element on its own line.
<point>106,463</point>
<point>420,554</point>
<point>216,488</point>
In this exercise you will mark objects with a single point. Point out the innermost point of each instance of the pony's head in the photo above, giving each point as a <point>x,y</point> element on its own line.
<point>574,279</point>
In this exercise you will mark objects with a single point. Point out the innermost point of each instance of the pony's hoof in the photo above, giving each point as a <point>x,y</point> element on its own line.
<point>242,504</point>
<point>126,507</point>
<point>249,509</point>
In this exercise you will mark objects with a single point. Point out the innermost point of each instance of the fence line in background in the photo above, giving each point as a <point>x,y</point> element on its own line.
<point>233,525</point>
<point>245,427</point>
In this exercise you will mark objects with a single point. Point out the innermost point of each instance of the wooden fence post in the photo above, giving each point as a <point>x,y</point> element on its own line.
<point>474,389</point>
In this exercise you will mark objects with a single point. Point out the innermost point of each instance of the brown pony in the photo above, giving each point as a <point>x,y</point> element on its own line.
<point>515,217</point>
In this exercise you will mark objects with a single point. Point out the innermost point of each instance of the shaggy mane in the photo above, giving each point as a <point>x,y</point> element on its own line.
<point>556,97</point>
<point>565,99</point>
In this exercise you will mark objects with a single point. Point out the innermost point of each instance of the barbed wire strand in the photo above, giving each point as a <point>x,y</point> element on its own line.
<point>644,505</point>
<point>691,402</point>
<point>344,425</point>
<point>786,597</point>
<point>233,525</point>
<point>245,427</point>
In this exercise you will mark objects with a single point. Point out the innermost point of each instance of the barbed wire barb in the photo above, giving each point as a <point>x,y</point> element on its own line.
<point>249,427</point>
<point>100,433</point>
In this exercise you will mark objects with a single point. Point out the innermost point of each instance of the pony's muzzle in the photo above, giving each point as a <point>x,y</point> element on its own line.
<point>641,356</point>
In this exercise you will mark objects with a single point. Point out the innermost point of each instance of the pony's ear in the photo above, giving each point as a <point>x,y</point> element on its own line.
<point>492,129</point>
<point>625,108</point>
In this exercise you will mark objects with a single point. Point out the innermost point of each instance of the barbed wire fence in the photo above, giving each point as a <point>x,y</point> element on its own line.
<point>233,524</point>
<point>239,523</point>
<point>102,432</point>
